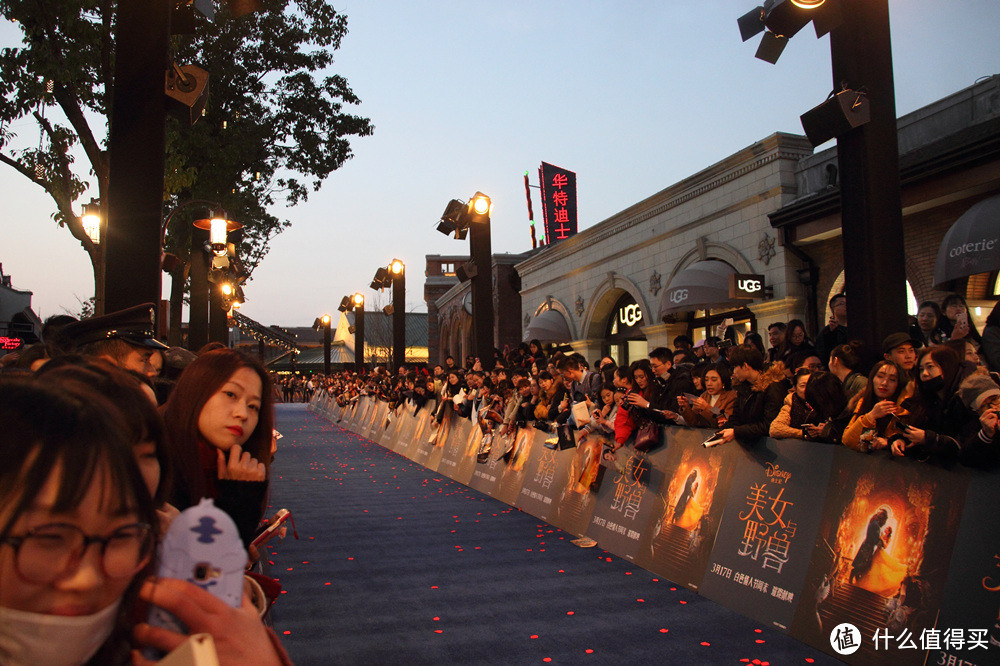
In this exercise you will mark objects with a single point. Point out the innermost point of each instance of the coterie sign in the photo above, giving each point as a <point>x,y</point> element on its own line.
<point>558,202</point>
<point>747,287</point>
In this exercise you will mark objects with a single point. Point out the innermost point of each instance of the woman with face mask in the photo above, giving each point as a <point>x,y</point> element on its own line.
<point>940,423</point>
<point>76,535</point>
<point>76,526</point>
<point>219,422</point>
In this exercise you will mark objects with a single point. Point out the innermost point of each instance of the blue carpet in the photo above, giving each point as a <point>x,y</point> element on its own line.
<point>398,565</point>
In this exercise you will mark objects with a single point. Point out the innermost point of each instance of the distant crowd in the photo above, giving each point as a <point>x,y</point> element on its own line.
<point>932,394</point>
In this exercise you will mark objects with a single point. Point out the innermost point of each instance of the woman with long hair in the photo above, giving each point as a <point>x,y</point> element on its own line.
<point>871,423</point>
<point>940,421</point>
<point>220,422</point>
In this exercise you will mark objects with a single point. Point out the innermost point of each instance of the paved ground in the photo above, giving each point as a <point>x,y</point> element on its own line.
<point>398,565</point>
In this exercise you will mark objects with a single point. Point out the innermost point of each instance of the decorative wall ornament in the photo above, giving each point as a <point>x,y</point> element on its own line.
<point>579,306</point>
<point>654,282</point>
<point>765,249</point>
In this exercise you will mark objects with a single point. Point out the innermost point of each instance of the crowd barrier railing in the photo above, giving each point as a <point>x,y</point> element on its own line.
<point>800,535</point>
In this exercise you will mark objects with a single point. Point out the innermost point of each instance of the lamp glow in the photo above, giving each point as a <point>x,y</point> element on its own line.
<point>325,319</point>
<point>481,204</point>
<point>396,267</point>
<point>808,4</point>
<point>91,220</point>
<point>359,300</point>
<point>217,235</point>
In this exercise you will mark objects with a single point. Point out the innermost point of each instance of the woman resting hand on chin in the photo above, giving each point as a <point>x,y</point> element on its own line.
<point>219,420</point>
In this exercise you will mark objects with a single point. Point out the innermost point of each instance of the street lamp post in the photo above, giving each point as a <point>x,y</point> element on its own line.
<point>395,275</point>
<point>870,198</point>
<point>474,218</point>
<point>324,323</point>
<point>867,149</point>
<point>358,303</point>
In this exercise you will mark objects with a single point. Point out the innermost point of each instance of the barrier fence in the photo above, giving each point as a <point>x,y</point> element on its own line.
<point>800,535</point>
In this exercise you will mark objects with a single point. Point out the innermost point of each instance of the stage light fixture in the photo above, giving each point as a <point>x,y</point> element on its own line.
<point>388,309</point>
<point>186,88</point>
<point>467,271</point>
<point>358,300</point>
<point>839,114</point>
<point>396,267</point>
<point>345,303</point>
<point>780,20</point>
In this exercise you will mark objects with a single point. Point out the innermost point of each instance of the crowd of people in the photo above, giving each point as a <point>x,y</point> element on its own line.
<point>107,436</point>
<point>932,393</point>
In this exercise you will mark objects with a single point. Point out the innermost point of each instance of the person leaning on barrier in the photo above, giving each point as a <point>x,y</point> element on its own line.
<point>759,396</point>
<point>794,411</point>
<point>872,422</point>
<point>669,381</point>
<point>940,423</point>
<point>714,404</point>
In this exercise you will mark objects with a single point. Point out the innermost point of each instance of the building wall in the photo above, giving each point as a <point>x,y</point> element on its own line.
<point>718,213</point>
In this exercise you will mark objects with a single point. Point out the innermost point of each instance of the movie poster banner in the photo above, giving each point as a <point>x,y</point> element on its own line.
<point>455,445</point>
<point>508,485</point>
<point>881,556</point>
<point>576,502</point>
<point>688,507</point>
<point>768,531</point>
<point>968,627</point>
<point>627,499</point>
<point>547,471</point>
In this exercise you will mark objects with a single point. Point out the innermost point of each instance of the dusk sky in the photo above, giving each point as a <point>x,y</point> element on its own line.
<point>633,96</point>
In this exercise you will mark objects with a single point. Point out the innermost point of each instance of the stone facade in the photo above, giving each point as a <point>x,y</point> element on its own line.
<point>719,213</point>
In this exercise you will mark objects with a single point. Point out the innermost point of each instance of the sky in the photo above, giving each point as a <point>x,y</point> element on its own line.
<point>466,97</point>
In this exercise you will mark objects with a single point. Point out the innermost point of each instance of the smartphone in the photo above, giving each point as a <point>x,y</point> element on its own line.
<point>898,423</point>
<point>280,517</point>
<point>714,440</point>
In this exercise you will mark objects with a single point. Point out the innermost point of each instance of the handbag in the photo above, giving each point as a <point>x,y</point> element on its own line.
<point>647,436</point>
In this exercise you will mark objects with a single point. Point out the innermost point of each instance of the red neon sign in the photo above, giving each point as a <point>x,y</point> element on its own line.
<point>9,344</point>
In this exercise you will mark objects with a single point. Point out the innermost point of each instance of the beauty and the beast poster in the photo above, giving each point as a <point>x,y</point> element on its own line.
<point>881,556</point>
<point>687,508</point>
<point>768,530</point>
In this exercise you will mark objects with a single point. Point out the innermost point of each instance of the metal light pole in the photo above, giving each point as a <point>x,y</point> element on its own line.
<point>398,272</point>
<point>482,284</point>
<point>358,303</point>
<point>868,157</point>
<point>198,311</point>
<point>325,323</point>
<point>136,154</point>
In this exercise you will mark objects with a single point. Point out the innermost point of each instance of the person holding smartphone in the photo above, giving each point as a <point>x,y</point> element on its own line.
<point>877,413</point>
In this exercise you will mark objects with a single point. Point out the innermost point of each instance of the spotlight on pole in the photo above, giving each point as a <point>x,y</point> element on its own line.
<point>467,271</point>
<point>780,20</point>
<point>345,304</point>
<point>382,279</point>
<point>358,300</point>
<point>388,310</point>
<point>839,114</point>
<point>396,267</point>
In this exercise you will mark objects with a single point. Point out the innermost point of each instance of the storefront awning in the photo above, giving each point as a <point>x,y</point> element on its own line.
<point>548,326</point>
<point>972,245</point>
<point>703,284</point>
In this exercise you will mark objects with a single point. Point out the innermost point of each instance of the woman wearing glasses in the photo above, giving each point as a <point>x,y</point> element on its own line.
<point>76,530</point>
